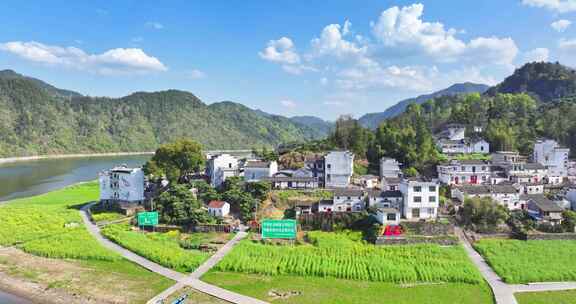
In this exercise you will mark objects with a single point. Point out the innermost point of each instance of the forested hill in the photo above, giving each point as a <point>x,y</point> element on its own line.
<point>37,118</point>
<point>544,81</point>
<point>372,120</point>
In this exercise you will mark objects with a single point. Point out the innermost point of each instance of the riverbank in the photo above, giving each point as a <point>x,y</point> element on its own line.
<point>61,156</point>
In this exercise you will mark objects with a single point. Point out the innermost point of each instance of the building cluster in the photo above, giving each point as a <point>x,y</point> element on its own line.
<point>453,140</point>
<point>514,181</point>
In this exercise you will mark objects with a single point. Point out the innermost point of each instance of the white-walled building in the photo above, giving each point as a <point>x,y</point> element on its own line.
<point>391,183</point>
<point>420,198</point>
<point>550,154</point>
<point>506,195</point>
<point>221,167</point>
<point>344,200</point>
<point>389,167</point>
<point>219,208</point>
<point>385,199</point>
<point>457,172</point>
<point>122,184</point>
<point>256,170</point>
<point>339,167</point>
<point>388,216</point>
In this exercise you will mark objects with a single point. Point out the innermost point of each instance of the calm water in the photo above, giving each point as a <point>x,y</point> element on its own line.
<point>23,179</point>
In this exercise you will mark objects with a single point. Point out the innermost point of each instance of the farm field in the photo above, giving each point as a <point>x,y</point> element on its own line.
<point>312,290</point>
<point>53,250</point>
<point>171,249</point>
<point>546,297</point>
<point>345,256</point>
<point>530,261</point>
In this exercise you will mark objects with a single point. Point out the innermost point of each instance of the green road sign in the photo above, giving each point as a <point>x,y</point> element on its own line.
<point>148,218</point>
<point>279,229</point>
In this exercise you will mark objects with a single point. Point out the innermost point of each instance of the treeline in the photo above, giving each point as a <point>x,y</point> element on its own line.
<point>508,121</point>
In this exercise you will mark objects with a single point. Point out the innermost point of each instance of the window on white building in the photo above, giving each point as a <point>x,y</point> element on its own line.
<point>417,189</point>
<point>417,199</point>
<point>432,199</point>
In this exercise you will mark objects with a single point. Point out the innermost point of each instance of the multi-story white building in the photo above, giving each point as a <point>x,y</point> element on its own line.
<point>420,198</point>
<point>389,167</point>
<point>256,170</point>
<point>122,185</point>
<point>457,172</point>
<point>221,167</point>
<point>344,200</point>
<point>339,167</point>
<point>550,154</point>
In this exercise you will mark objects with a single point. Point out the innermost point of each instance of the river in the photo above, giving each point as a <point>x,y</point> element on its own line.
<point>23,179</point>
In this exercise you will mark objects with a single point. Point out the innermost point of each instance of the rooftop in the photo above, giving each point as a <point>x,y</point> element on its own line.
<point>544,203</point>
<point>257,164</point>
<point>216,204</point>
<point>348,192</point>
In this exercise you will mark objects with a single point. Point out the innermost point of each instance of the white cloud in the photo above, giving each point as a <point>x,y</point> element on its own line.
<point>560,25</point>
<point>119,60</point>
<point>280,51</point>
<point>560,6</point>
<point>324,81</point>
<point>375,76</point>
<point>492,50</point>
<point>537,55</point>
<point>155,25</point>
<point>332,43</point>
<point>195,74</point>
<point>287,103</point>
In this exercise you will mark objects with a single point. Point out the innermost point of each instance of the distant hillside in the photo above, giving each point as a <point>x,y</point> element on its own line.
<point>37,118</point>
<point>315,123</point>
<point>372,120</point>
<point>10,74</point>
<point>542,80</point>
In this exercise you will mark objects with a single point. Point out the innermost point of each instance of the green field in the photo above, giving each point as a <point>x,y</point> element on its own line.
<point>162,248</point>
<point>311,290</point>
<point>546,297</point>
<point>50,226</point>
<point>345,256</point>
<point>530,261</point>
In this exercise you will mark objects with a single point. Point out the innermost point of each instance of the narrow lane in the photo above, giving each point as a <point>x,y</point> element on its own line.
<point>181,279</point>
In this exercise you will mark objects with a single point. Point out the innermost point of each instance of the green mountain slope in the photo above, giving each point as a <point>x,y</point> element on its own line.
<point>36,118</point>
<point>544,81</point>
<point>372,120</point>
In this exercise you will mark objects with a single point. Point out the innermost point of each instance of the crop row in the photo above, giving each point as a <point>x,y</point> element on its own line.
<point>346,258</point>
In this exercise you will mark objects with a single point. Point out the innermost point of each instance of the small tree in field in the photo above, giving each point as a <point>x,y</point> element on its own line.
<point>482,214</point>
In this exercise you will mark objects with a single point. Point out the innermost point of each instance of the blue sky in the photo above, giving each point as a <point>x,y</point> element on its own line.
<point>322,58</point>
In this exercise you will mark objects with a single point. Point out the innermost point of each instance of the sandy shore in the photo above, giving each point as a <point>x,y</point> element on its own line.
<point>57,156</point>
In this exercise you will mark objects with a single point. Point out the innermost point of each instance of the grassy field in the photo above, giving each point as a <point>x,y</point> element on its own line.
<point>107,216</point>
<point>345,256</point>
<point>546,297</point>
<point>311,290</point>
<point>163,248</point>
<point>530,261</point>
<point>50,226</point>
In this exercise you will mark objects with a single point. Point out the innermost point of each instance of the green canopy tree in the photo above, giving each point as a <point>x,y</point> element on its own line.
<point>177,206</point>
<point>175,160</point>
<point>482,214</point>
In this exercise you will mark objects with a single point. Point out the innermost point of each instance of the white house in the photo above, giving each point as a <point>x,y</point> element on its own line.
<point>218,208</point>
<point>367,181</point>
<point>419,198</point>
<point>544,210</point>
<point>220,167</point>
<point>550,154</point>
<point>339,167</point>
<point>256,170</point>
<point>391,183</point>
<point>345,200</point>
<point>122,185</point>
<point>389,167</point>
<point>388,216</point>
<point>385,199</point>
<point>506,195</point>
<point>457,172</point>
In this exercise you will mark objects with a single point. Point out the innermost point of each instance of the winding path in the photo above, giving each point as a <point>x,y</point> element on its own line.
<point>181,279</point>
<point>504,293</point>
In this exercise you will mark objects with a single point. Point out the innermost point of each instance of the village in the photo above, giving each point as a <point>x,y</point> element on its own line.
<point>540,185</point>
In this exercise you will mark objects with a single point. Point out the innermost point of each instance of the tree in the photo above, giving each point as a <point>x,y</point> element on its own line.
<point>569,220</point>
<point>258,190</point>
<point>482,214</point>
<point>175,160</point>
<point>177,206</point>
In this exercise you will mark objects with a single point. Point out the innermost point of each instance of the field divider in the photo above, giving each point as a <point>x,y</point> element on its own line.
<point>181,279</point>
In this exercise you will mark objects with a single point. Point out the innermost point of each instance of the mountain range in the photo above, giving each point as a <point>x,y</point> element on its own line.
<point>372,120</point>
<point>37,118</point>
